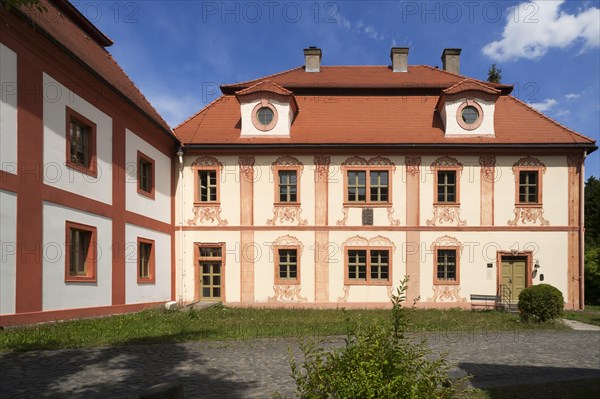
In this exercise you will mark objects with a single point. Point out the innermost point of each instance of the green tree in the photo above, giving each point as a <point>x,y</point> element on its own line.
<point>592,276</point>
<point>592,213</point>
<point>494,74</point>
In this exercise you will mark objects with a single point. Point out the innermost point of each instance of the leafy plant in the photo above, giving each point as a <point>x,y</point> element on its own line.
<point>494,74</point>
<point>592,276</point>
<point>377,361</point>
<point>541,303</point>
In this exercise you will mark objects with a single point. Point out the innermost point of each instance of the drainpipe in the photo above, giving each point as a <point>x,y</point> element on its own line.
<point>180,155</point>
<point>581,232</point>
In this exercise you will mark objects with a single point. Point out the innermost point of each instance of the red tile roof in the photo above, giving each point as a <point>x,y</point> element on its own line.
<point>72,33</point>
<point>351,105</point>
<point>375,120</point>
<point>363,77</point>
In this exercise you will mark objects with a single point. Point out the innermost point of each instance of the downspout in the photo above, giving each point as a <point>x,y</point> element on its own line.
<point>581,233</point>
<point>181,190</point>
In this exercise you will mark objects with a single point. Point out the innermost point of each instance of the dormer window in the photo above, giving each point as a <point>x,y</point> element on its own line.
<point>266,109</point>
<point>467,109</point>
<point>469,115</point>
<point>264,116</point>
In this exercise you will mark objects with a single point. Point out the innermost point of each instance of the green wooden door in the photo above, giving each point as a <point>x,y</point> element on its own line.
<point>514,276</point>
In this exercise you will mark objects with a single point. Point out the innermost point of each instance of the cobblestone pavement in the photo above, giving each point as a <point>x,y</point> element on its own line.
<point>257,368</point>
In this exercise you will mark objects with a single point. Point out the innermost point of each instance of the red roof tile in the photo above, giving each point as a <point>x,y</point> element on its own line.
<point>361,77</point>
<point>375,120</point>
<point>72,35</point>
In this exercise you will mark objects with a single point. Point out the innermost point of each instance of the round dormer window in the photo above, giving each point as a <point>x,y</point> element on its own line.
<point>264,116</point>
<point>469,115</point>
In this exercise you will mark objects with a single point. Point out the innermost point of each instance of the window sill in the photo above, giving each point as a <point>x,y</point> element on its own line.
<point>286,204</point>
<point>83,279</point>
<point>287,282</point>
<point>200,204</point>
<point>91,171</point>
<point>146,281</point>
<point>451,204</point>
<point>529,205</point>
<point>450,282</point>
<point>368,204</point>
<point>367,283</point>
<point>149,195</point>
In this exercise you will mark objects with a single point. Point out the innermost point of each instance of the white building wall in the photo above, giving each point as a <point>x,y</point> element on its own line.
<point>185,276</point>
<point>56,98</point>
<point>158,208</point>
<point>284,119</point>
<point>265,184</point>
<point>58,294</point>
<point>8,251</point>
<point>160,290</point>
<point>264,266</point>
<point>363,293</point>
<point>450,113</point>
<point>480,248</point>
<point>8,110</point>
<point>555,195</point>
<point>229,187</point>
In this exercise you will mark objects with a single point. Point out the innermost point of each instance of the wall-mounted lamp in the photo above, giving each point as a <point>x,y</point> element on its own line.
<point>536,264</point>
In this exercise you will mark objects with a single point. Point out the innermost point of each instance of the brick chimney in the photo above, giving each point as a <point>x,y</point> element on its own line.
<point>451,60</point>
<point>399,56</point>
<point>312,59</point>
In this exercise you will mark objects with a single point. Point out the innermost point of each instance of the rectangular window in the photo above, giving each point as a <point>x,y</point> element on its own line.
<point>528,187</point>
<point>288,186</point>
<point>288,264</point>
<point>367,186</point>
<point>357,264</point>
<point>210,270</point>
<point>207,186</point>
<point>145,261</point>
<point>446,186</point>
<point>145,175</point>
<point>446,265</point>
<point>81,143</point>
<point>368,266</point>
<point>81,252</point>
<point>379,186</point>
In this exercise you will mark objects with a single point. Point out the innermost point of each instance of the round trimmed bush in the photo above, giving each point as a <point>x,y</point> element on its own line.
<point>540,303</point>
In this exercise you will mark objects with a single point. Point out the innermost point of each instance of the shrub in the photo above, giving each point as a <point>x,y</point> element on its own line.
<point>540,303</point>
<point>377,361</point>
<point>592,276</point>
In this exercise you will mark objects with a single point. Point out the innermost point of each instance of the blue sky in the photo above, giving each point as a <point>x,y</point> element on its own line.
<point>178,52</point>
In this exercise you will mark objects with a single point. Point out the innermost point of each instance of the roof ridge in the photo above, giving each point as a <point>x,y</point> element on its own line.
<point>209,105</point>
<point>475,81</point>
<point>261,78</point>
<point>531,109</point>
<point>263,82</point>
<point>463,76</point>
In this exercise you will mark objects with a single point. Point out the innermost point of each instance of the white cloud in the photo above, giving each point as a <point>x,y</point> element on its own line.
<point>533,28</point>
<point>175,109</point>
<point>544,105</point>
<point>572,96</point>
<point>359,27</point>
<point>563,113</point>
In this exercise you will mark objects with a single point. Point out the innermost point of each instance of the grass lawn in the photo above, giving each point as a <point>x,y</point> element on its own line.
<point>222,323</point>
<point>590,315</point>
<point>582,389</point>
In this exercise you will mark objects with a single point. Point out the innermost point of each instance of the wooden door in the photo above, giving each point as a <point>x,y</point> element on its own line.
<point>514,275</point>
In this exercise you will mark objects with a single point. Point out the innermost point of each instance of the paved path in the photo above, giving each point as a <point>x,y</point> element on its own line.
<point>579,326</point>
<point>254,369</point>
